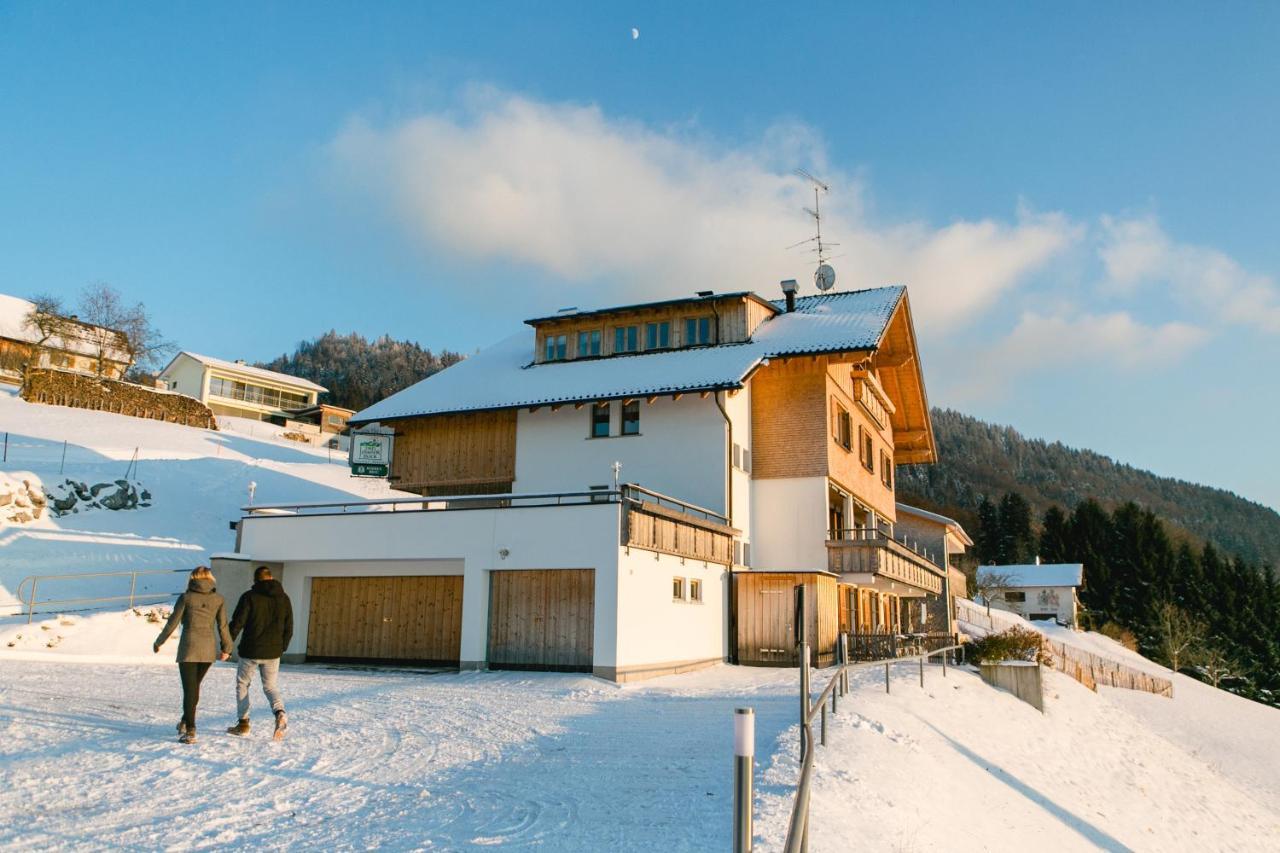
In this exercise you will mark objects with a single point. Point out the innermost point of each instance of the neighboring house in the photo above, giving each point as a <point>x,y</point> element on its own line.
<point>944,541</point>
<point>237,389</point>
<point>329,418</point>
<point>77,347</point>
<point>749,435</point>
<point>1041,591</point>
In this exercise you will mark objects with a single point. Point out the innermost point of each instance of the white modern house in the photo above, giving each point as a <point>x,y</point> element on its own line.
<point>592,490</point>
<point>237,389</point>
<point>1041,591</point>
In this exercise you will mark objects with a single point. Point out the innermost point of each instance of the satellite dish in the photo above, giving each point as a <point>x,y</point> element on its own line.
<point>825,277</point>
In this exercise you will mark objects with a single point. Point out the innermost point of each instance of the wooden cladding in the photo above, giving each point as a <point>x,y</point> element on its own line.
<point>789,420</point>
<point>415,618</point>
<point>731,319</point>
<point>542,619</point>
<point>655,528</point>
<point>764,617</point>
<point>465,453</point>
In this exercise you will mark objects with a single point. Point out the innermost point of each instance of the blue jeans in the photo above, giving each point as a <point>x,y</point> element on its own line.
<point>268,669</point>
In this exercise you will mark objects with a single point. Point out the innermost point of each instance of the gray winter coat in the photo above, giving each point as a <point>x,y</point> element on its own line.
<point>199,610</point>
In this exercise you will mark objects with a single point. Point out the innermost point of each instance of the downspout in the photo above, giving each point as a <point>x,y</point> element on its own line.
<point>728,459</point>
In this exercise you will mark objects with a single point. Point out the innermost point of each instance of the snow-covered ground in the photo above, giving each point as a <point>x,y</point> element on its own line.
<point>418,759</point>
<point>198,480</point>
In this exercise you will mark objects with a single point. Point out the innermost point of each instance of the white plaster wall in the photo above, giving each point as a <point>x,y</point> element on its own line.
<point>679,452</point>
<point>739,409</point>
<point>189,375</point>
<point>655,629</point>
<point>1066,609</point>
<point>789,523</point>
<point>571,537</point>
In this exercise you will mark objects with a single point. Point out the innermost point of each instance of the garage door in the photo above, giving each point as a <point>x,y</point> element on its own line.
<point>542,619</point>
<point>414,619</point>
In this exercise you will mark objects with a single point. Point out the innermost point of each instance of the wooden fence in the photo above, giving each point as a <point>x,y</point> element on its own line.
<point>64,388</point>
<point>1085,667</point>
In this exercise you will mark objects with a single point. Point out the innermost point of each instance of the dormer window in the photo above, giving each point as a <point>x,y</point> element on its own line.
<point>657,335</point>
<point>588,343</point>
<point>697,331</point>
<point>626,339</point>
<point>557,348</point>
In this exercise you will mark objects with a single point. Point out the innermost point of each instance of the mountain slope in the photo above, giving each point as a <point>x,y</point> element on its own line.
<point>978,459</point>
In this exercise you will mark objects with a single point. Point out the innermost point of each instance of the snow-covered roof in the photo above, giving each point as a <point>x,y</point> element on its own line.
<point>504,377</point>
<point>249,370</point>
<point>1047,574</point>
<point>14,311</point>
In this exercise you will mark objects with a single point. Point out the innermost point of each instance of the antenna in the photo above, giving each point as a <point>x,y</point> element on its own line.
<point>825,276</point>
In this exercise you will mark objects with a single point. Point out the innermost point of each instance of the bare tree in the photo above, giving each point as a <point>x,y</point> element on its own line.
<point>48,322</point>
<point>110,317</point>
<point>1179,634</point>
<point>1214,663</point>
<point>989,585</point>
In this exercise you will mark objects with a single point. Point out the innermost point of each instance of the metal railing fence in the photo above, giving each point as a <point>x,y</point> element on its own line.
<point>29,602</point>
<point>838,685</point>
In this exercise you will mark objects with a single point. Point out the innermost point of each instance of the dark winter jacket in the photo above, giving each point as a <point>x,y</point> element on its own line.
<point>266,617</point>
<point>202,613</point>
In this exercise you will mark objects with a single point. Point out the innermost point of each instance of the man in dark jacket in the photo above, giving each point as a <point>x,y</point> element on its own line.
<point>265,615</point>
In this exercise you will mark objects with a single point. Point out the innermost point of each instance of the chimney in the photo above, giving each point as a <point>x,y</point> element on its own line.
<point>789,288</point>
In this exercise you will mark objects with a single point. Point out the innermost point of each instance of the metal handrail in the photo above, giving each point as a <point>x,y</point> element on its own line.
<point>610,496</point>
<point>660,499</point>
<point>873,534</point>
<point>798,826</point>
<point>30,600</point>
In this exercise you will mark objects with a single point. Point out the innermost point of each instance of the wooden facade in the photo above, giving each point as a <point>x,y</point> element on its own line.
<point>788,420</point>
<point>733,319</point>
<point>897,366</point>
<point>456,454</point>
<point>656,528</point>
<point>406,619</point>
<point>763,631</point>
<point>542,619</point>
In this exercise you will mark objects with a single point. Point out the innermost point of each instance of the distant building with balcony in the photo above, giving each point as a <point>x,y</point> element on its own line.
<point>236,389</point>
<point>594,488</point>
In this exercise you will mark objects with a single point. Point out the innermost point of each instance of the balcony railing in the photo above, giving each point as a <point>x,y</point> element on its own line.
<point>872,551</point>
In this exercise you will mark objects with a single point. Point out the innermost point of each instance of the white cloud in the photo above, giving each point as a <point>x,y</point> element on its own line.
<point>650,213</point>
<point>1137,253</point>
<point>1044,342</point>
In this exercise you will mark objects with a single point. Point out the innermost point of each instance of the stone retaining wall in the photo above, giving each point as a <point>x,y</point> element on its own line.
<point>64,388</point>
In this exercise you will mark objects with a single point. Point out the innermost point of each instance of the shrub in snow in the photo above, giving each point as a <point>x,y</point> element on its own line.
<point>1016,643</point>
<point>1120,634</point>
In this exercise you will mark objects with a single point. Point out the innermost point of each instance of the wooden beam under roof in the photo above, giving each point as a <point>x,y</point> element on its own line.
<point>895,360</point>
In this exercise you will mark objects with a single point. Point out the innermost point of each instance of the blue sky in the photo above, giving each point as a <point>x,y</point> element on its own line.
<point>1081,199</point>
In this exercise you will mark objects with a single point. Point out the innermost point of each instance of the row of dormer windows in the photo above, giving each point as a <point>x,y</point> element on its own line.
<point>637,337</point>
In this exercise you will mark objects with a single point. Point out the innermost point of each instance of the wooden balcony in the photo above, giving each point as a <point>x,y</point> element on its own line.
<point>873,552</point>
<point>656,522</point>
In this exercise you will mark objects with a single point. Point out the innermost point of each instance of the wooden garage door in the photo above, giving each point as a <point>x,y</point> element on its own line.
<point>406,619</point>
<point>542,619</point>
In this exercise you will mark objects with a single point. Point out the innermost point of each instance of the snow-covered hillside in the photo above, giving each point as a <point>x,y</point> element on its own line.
<point>198,480</point>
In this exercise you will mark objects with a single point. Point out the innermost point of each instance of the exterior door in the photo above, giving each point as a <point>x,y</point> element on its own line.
<point>406,619</point>
<point>542,619</point>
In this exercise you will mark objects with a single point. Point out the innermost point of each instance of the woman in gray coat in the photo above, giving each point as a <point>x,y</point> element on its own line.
<point>203,616</point>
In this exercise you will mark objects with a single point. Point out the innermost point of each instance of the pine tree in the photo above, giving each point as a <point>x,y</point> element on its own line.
<point>986,540</point>
<point>1016,540</point>
<point>1054,536</point>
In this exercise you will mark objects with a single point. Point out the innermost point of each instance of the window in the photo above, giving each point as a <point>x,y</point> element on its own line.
<point>737,455</point>
<point>841,425</point>
<point>557,348</point>
<point>695,590</point>
<point>1015,596</point>
<point>600,417</point>
<point>677,589</point>
<point>588,343</point>
<point>336,420</point>
<point>631,417</point>
<point>867,450</point>
<point>697,331</point>
<point>746,459</point>
<point>626,339</point>
<point>886,469</point>
<point>741,458</point>
<point>746,554</point>
<point>657,335</point>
